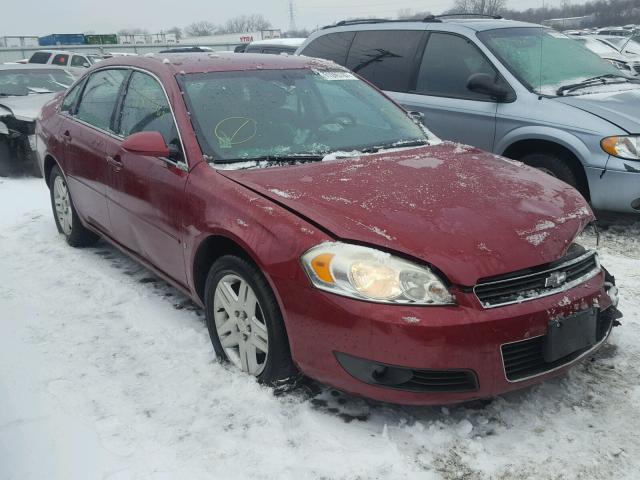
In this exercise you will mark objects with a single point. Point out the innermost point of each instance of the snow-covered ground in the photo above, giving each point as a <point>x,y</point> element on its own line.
<point>106,372</point>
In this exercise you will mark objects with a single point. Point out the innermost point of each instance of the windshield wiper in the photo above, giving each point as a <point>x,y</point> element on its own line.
<point>387,146</point>
<point>271,158</point>
<point>589,82</point>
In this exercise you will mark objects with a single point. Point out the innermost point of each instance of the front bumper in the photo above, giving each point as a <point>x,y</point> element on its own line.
<point>325,329</point>
<point>615,190</point>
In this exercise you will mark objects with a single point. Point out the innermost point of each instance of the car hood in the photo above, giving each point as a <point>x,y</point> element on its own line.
<point>25,108</point>
<point>469,213</point>
<point>620,108</point>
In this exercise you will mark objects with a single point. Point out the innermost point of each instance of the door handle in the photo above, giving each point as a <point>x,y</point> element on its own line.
<point>66,136</point>
<point>115,162</point>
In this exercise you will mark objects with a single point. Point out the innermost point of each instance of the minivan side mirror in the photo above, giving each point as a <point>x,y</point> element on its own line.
<point>150,144</point>
<point>486,84</point>
<point>417,117</point>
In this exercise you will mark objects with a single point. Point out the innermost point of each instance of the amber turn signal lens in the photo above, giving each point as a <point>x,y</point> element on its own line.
<point>321,266</point>
<point>609,145</point>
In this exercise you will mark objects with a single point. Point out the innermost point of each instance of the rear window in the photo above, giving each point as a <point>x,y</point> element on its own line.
<point>40,57</point>
<point>61,59</point>
<point>333,46</point>
<point>386,58</point>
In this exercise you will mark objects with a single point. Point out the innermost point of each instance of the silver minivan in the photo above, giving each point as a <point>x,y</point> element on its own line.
<point>517,89</point>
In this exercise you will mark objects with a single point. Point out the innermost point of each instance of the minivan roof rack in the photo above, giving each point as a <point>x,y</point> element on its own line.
<point>427,19</point>
<point>471,15</point>
<point>361,21</point>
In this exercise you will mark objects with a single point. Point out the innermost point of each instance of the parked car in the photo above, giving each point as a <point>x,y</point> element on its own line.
<point>629,65</point>
<point>513,88</point>
<point>625,45</point>
<point>194,49</point>
<point>324,231</point>
<point>75,62</point>
<point>275,46</point>
<point>24,89</point>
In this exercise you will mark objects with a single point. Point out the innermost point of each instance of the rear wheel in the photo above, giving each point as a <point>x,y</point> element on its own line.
<point>65,215</point>
<point>245,323</point>
<point>554,165</point>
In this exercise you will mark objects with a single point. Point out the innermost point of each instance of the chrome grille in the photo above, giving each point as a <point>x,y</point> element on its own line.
<point>535,283</point>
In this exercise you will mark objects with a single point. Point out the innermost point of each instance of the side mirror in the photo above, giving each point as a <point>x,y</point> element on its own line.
<point>86,65</point>
<point>417,117</point>
<point>486,84</point>
<point>150,144</point>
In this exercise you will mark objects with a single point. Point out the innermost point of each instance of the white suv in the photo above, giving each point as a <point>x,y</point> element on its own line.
<point>75,62</point>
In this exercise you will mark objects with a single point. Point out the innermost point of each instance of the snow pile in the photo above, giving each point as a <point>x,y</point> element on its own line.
<point>108,373</point>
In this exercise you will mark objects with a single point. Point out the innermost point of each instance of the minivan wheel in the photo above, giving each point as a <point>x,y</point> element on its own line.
<point>245,323</point>
<point>64,213</point>
<point>554,165</point>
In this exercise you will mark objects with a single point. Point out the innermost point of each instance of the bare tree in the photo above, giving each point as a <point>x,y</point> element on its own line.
<point>410,14</point>
<point>200,29</point>
<point>176,31</point>
<point>246,23</point>
<point>482,7</point>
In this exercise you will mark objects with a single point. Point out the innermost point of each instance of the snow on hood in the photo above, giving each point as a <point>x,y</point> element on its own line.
<point>25,108</point>
<point>622,108</point>
<point>470,213</point>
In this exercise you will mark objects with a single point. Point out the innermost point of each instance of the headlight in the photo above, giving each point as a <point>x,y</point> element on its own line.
<point>369,274</point>
<point>627,147</point>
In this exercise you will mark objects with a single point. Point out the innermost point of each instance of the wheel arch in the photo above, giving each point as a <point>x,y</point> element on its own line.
<point>209,250</point>
<point>571,149</point>
<point>47,165</point>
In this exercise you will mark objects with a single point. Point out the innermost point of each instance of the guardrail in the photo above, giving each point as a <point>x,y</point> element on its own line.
<point>15,54</point>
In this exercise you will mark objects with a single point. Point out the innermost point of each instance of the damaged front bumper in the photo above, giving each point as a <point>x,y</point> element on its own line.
<point>18,149</point>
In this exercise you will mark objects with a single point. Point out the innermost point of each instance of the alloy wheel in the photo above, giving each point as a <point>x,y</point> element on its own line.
<point>62,205</point>
<point>240,324</point>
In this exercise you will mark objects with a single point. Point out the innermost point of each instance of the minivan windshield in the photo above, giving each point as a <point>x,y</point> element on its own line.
<point>276,114</point>
<point>545,60</point>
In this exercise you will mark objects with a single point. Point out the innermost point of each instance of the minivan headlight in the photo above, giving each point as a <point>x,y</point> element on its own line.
<point>369,274</point>
<point>626,146</point>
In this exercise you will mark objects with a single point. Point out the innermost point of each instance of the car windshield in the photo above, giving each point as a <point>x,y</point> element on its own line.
<point>545,60</point>
<point>255,114</point>
<point>627,45</point>
<point>597,46</point>
<point>25,82</point>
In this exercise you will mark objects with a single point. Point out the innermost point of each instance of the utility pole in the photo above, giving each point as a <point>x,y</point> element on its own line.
<point>292,17</point>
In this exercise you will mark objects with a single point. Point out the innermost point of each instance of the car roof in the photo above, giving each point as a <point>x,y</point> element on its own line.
<point>59,51</point>
<point>176,63</point>
<point>292,42</point>
<point>31,66</point>
<point>476,24</point>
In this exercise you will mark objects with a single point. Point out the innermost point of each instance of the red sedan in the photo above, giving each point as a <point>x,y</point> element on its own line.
<point>323,230</point>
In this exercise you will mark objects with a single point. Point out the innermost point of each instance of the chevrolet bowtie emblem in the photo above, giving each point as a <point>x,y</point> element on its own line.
<point>555,279</point>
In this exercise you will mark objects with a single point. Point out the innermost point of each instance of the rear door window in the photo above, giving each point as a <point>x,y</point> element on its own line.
<point>447,63</point>
<point>145,109</point>
<point>386,58</point>
<point>61,59</point>
<point>333,46</point>
<point>79,61</point>
<point>100,97</point>
<point>40,57</point>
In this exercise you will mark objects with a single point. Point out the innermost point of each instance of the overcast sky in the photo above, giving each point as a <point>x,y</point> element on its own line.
<point>41,17</point>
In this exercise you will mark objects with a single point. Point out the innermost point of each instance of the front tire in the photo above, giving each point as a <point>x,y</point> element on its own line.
<point>245,323</point>
<point>554,165</point>
<point>64,213</point>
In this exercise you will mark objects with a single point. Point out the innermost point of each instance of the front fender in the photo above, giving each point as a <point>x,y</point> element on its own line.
<point>550,134</point>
